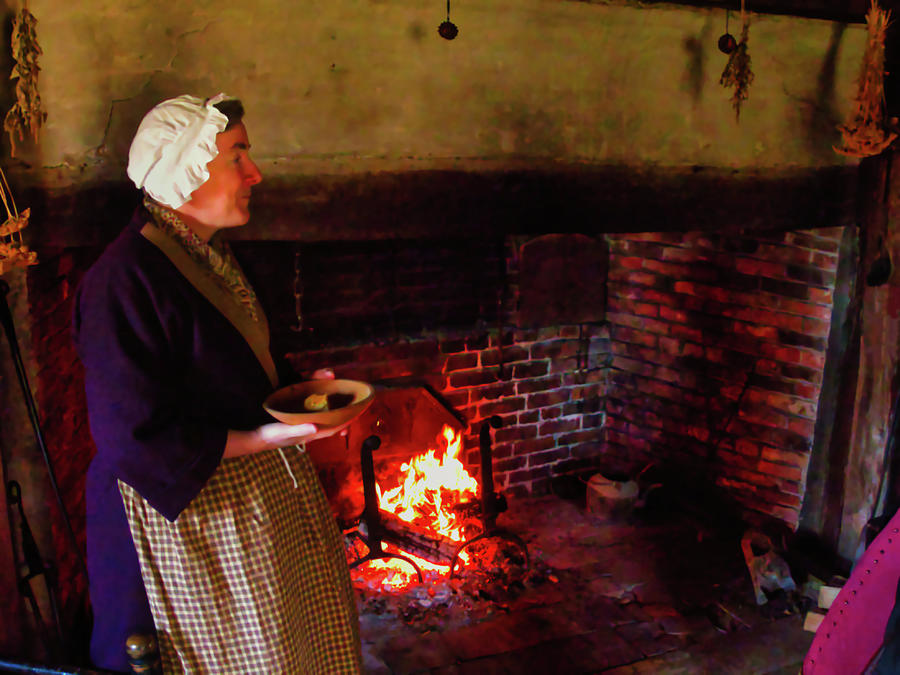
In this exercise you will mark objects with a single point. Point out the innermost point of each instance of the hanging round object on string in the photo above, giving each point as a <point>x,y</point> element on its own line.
<point>448,29</point>
<point>727,43</point>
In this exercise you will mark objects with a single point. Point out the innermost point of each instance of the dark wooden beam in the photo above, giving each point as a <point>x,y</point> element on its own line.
<point>841,11</point>
<point>437,204</point>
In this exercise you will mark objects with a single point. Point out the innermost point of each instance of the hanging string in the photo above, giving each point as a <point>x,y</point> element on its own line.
<point>288,467</point>
<point>299,448</point>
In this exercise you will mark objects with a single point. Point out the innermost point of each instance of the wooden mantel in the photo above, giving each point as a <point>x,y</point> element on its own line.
<point>454,203</point>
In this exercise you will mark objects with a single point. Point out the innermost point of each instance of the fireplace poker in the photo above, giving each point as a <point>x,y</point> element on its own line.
<point>10,330</point>
<point>35,567</point>
<point>372,530</point>
<point>492,504</point>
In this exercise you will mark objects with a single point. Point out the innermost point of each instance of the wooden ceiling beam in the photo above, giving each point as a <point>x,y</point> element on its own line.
<point>840,11</point>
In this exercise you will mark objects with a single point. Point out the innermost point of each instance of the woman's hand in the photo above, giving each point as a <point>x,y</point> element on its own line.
<point>293,434</point>
<point>267,437</point>
<point>278,435</point>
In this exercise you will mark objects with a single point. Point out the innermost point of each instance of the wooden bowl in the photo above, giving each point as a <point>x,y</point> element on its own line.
<point>347,399</point>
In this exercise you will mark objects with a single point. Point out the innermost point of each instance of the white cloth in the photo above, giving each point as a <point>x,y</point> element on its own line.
<point>173,144</point>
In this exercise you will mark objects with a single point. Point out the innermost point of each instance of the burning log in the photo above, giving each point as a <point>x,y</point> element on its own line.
<point>412,539</point>
<point>468,509</point>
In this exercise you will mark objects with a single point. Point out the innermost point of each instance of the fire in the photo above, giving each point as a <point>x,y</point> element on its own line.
<point>429,485</point>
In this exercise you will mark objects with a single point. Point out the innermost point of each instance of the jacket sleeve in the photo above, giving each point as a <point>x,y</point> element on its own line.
<point>134,340</point>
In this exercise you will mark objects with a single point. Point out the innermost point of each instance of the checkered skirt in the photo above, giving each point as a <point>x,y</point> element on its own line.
<point>252,576</point>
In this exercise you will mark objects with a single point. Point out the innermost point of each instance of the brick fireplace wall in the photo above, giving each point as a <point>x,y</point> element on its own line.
<point>552,411</point>
<point>548,384</point>
<point>708,364</point>
<point>719,348</point>
<point>59,396</point>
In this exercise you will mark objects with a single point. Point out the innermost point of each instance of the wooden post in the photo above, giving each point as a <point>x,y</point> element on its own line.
<point>865,397</point>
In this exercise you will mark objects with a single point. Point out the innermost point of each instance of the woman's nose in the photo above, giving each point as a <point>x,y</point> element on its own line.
<point>252,174</point>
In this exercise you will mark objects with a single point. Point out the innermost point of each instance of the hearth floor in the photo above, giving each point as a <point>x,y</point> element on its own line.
<point>669,596</point>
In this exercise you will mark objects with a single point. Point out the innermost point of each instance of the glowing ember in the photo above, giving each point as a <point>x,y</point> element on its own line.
<point>429,486</point>
<point>392,574</point>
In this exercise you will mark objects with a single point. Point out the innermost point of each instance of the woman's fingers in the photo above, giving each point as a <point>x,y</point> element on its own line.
<point>278,435</point>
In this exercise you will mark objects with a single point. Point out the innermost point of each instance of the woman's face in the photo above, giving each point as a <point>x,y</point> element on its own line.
<point>224,199</point>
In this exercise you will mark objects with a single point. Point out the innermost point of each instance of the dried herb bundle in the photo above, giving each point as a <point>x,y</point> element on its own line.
<point>865,134</point>
<point>13,251</point>
<point>27,115</point>
<point>737,71</point>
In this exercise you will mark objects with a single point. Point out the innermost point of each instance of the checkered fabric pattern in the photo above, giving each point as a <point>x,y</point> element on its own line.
<point>252,576</point>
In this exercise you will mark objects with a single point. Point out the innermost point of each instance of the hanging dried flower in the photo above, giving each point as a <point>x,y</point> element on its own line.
<point>737,73</point>
<point>27,115</point>
<point>865,134</point>
<point>13,251</point>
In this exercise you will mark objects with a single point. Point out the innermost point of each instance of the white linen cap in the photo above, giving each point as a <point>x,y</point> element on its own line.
<point>173,144</point>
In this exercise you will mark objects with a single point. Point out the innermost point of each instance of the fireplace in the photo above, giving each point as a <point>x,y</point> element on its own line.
<point>399,488</point>
<point>702,352</point>
<point>434,516</point>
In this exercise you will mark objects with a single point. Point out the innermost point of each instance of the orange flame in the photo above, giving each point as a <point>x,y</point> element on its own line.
<point>429,481</point>
<point>429,485</point>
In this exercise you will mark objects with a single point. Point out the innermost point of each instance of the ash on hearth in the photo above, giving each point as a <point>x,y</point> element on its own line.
<point>492,563</point>
<point>479,592</point>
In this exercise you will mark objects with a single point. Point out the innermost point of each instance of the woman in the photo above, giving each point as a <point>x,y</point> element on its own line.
<point>205,518</point>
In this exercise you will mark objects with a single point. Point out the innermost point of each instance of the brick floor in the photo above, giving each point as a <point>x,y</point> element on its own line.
<point>636,597</point>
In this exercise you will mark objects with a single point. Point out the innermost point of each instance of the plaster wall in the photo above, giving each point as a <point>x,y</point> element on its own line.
<point>344,86</point>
